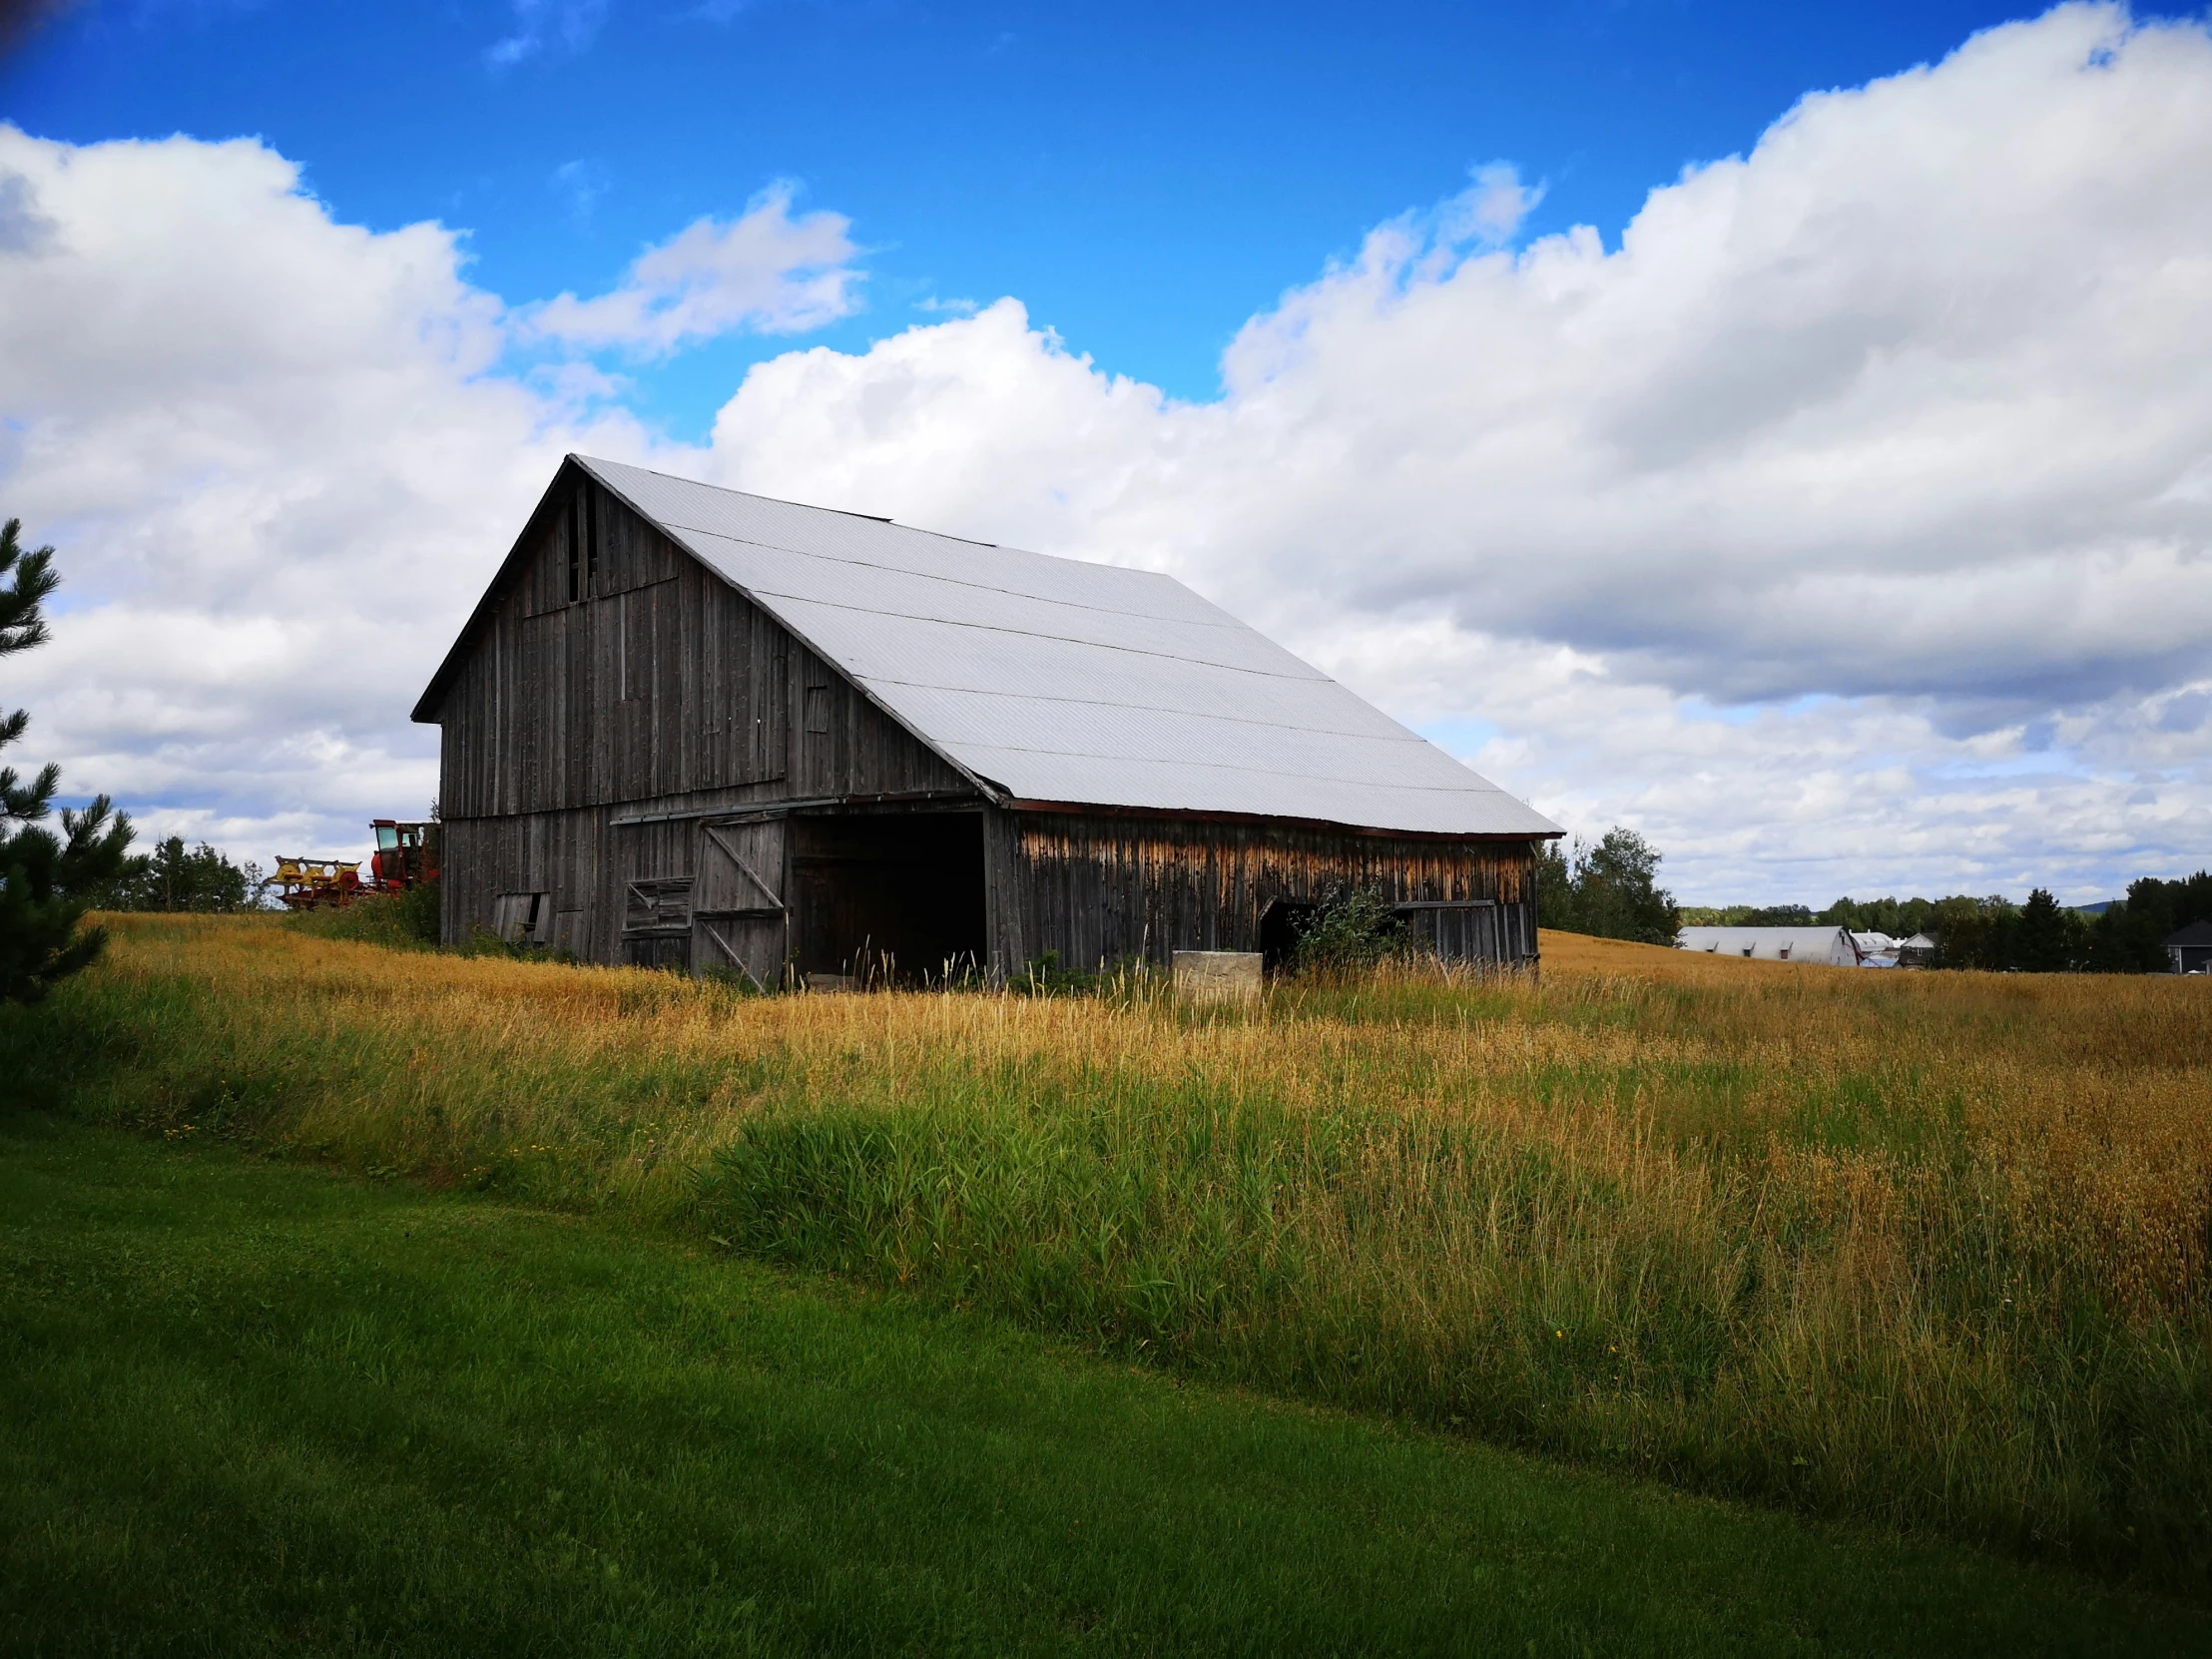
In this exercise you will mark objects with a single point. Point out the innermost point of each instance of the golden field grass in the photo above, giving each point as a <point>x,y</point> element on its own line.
<point>1922,1249</point>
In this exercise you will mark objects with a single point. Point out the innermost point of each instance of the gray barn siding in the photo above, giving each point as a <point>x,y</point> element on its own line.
<point>667,686</point>
<point>1098,886</point>
<point>659,690</point>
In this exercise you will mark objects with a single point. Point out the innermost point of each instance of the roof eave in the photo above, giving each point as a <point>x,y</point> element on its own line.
<point>1200,815</point>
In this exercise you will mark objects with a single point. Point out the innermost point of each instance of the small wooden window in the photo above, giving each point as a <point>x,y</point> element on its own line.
<point>522,917</point>
<point>817,711</point>
<point>658,903</point>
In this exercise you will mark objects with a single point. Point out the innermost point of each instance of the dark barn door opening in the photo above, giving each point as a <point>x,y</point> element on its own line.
<point>896,896</point>
<point>1281,925</point>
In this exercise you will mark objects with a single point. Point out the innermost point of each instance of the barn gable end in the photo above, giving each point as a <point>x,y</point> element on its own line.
<point>610,696</point>
<point>609,665</point>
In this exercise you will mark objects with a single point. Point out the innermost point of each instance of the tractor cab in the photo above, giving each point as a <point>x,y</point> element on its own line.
<point>406,854</point>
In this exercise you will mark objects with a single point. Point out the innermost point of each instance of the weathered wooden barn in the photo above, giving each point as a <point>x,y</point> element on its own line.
<point>695,729</point>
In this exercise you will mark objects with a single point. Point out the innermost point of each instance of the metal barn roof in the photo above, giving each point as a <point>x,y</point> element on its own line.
<point>1832,946</point>
<point>1057,680</point>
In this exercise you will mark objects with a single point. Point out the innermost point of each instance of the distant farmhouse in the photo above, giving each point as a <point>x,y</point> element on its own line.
<point>701,730</point>
<point>1824,946</point>
<point>2190,950</point>
<point>1916,951</point>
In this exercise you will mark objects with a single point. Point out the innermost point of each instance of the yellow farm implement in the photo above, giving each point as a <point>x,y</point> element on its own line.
<point>312,884</point>
<point>407,857</point>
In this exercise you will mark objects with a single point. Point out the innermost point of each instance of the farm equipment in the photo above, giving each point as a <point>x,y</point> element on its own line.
<point>407,857</point>
<point>315,883</point>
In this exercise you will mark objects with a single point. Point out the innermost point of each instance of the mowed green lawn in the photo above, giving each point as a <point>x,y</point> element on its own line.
<point>250,1407</point>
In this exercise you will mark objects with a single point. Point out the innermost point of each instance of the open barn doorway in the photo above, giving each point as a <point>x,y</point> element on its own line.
<point>1281,926</point>
<point>892,898</point>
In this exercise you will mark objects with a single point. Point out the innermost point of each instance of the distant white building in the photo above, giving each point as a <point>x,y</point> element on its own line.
<point>1875,949</point>
<point>1823,946</point>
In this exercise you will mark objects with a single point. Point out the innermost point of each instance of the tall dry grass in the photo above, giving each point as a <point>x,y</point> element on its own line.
<point>1923,1249</point>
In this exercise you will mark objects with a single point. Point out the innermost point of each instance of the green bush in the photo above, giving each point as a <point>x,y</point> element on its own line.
<point>1351,929</point>
<point>419,908</point>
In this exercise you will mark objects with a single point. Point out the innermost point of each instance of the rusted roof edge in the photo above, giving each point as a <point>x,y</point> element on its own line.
<point>1099,809</point>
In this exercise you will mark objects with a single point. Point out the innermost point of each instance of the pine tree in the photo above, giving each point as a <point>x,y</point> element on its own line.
<point>45,878</point>
<point>2046,938</point>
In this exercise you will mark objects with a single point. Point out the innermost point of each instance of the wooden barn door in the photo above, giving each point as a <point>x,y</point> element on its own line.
<point>739,920</point>
<point>1458,930</point>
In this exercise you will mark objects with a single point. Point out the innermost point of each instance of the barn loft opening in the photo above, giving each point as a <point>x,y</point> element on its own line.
<point>575,557</point>
<point>890,897</point>
<point>585,505</point>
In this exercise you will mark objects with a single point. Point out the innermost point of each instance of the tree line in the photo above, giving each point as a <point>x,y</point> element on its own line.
<point>174,877</point>
<point>1998,935</point>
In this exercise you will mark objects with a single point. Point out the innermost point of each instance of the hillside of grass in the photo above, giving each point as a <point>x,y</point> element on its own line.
<point>247,1408</point>
<point>1577,954</point>
<point>1926,1252</point>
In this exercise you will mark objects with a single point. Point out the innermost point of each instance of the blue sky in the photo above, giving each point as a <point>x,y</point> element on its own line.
<point>1144,177</point>
<point>1783,431</point>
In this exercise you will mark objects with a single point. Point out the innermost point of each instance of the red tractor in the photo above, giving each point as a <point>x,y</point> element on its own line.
<point>406,856</point>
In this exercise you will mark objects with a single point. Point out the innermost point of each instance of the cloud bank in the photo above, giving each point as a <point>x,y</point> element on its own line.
<point>1901,424</point>
<point>1845,524</point>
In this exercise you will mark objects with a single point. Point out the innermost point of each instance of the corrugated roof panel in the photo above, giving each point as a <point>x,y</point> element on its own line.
<point>1287,705</point>
<point>680,504</point>
<point>1013,665</point>
<point>1064,680</point>
<point>878,592</point>
<point>1131,737</point>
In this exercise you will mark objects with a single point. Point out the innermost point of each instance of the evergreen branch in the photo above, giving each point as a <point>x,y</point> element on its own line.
<point>31,579</point>
<point>27,803</point>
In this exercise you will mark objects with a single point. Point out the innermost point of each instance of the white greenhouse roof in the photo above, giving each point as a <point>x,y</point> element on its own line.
<point>1831,945</point>
<point>1057,680</point>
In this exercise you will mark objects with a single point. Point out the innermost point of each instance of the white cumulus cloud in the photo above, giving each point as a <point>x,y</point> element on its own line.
<point>764,273</point>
